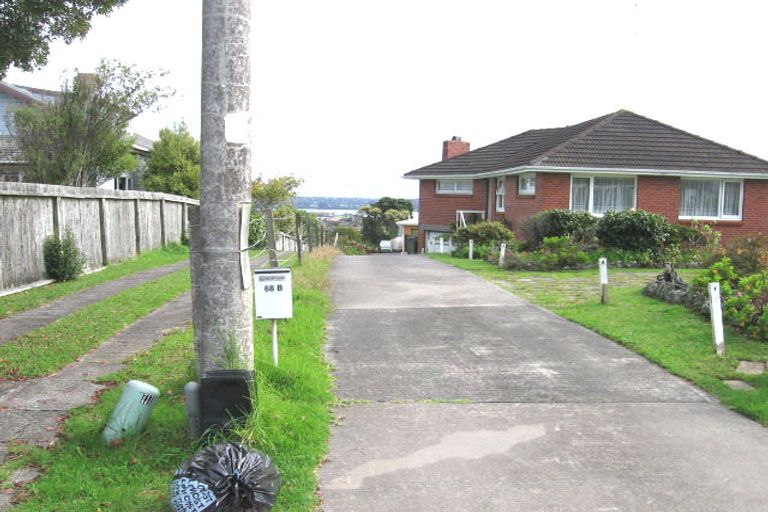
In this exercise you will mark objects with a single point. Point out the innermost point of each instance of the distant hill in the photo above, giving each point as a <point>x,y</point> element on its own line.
<point>339,203</point>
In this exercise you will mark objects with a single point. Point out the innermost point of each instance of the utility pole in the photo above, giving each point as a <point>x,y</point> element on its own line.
<point>221,279</point>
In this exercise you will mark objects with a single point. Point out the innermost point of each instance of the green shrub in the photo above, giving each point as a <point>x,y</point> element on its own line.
<point>557,253</point>
<point>721,272</point>
<point>748,306</point>
<point>749,255</point>
<point>635,230</point>
<point>556,223</point>
<point>62,259</point>
<point>485,233</point>
<point>480,252</point>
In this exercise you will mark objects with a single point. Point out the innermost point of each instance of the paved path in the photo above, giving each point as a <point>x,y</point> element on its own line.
<point>21,323</point>
<point>32,410</point>
<point>474,399</point>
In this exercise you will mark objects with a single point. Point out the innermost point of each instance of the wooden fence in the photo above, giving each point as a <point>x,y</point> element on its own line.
<point>108,225</point>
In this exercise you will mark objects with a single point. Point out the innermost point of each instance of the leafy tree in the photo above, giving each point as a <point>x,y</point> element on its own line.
<point>81,138</point>
<point>174,165</point>
<point>380,218</point>
<point>27,27</point>
<point>274,192</point>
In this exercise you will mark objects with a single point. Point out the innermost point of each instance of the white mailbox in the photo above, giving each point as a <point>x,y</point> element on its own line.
<point>272,291</point>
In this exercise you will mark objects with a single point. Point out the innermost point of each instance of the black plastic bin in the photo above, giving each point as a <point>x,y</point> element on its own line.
<point>412,244</point>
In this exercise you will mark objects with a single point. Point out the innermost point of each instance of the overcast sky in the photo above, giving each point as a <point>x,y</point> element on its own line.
<point>351,94</point>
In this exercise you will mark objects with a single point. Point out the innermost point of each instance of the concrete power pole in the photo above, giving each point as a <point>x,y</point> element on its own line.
<point>221,278</point>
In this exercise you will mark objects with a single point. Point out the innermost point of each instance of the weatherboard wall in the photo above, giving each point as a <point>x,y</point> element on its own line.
<point>108,225</point>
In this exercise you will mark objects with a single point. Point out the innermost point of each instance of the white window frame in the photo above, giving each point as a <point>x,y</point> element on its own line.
<point>592,190</point>
<point>720,199</point>
<point>441,187</point>
<point>501,193</point>
<point>528,191</point>
<point>461,221</point>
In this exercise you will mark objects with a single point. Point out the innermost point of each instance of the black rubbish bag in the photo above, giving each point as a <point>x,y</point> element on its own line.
<point>226,477</point>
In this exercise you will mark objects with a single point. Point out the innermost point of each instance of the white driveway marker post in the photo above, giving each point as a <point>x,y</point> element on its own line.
<point>502,254</point>
<point>471,248</point>
<point>603,280</point>
<point>441,245</point>
<point>716,315</point>
<point>274,341</point>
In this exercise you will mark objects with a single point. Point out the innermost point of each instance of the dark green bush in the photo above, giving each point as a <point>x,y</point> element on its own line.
<point>634,230</point>
<point>62,259</point>
<point>553,223</point>
<point>485,233</point>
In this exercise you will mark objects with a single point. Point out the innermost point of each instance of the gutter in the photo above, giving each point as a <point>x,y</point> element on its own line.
<point>591,171</point>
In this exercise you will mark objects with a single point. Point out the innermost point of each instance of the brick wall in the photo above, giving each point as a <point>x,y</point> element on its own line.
<point>656,194</point>
<point>754,213</point>
<point>440,209</point>
<point>662,195</point>
<point>553,190</point>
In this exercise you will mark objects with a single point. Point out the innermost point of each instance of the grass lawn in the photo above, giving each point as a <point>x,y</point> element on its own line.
<point>36,297</point>
<point>291,421</point>
<point>51,348</point>
<point>668,334</point>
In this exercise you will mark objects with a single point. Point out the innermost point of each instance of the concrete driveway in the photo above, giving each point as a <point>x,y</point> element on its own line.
<point>465,397</point>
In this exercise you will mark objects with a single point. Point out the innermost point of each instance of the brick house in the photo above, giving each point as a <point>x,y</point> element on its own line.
<point>615,162</point>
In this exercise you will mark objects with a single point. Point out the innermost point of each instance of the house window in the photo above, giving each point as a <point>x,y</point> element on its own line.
<point>463,187</point>
<point>526,184</point>
<point>711,199</point>
<point>600,194</point>
<point>501,193</point>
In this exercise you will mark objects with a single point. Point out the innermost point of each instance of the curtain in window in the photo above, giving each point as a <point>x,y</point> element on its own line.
<point>613,194</point>
<point>580,195</point>
<point>500,193</point>
<point>700,198</point>
<point>731,198</point>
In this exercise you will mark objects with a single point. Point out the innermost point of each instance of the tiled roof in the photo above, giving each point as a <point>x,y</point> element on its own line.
<point>622,140</point>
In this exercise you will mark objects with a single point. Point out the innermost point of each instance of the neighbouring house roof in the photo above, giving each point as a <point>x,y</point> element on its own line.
<point>29,95</point>
<point>142,144</point>
<point>622,140</point>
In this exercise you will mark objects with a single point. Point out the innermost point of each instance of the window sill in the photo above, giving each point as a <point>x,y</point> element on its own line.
<point>711,220</point>
<point>454,193</point>
<point>526,196</point>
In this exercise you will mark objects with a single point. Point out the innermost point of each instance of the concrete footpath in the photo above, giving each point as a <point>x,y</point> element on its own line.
<point>21,323</point>
<point>465,397</point>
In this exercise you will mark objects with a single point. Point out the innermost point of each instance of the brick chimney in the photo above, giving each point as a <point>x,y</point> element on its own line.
<point>454,147</point>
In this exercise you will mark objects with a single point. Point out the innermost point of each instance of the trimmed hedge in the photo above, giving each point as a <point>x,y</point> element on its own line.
<point>634,230</point>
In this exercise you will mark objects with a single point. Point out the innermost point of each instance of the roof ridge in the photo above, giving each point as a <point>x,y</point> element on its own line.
<point>580,135</point>
<point>680,130</point>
